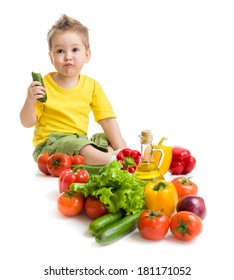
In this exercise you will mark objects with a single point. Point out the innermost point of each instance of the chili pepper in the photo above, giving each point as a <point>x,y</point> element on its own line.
<point>129,159</point>
<point>163,161</point>
<point>161,196</point>
<point>182,161</point>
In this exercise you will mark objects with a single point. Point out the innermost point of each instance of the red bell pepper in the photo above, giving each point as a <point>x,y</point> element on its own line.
<point>182,161</point>
<point>67,177</point>
<point>129,159</point>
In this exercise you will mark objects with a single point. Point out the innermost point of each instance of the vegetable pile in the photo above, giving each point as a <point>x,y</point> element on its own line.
<point>117,202</point>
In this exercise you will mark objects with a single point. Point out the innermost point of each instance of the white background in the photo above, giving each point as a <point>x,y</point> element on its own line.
<point>166,66</point>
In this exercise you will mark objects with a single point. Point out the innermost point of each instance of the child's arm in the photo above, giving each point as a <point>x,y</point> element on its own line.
<point>112,131</point>
<point>28,112</point>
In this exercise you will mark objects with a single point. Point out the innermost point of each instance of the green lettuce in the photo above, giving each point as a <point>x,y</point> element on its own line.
<point>116,188</point>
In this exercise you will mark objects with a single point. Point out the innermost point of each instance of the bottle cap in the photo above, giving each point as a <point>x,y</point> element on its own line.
<point>146,136</point>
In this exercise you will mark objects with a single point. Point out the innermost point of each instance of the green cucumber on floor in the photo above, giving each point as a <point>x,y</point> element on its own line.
<point>117,230</point>
<point>104,221</point>
<point>93,169</point>
<point>37,77</point>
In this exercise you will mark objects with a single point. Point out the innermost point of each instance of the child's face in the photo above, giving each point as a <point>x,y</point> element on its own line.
<point>68,53</point>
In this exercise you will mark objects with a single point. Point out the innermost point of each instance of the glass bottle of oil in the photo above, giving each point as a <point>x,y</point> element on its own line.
<point>147,169</point>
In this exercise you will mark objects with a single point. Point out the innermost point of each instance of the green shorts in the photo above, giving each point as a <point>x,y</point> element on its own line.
<point>70,144</point>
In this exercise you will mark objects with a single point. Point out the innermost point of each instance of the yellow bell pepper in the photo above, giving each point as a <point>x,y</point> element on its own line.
<point>161,196</point>
<point>166,160</point>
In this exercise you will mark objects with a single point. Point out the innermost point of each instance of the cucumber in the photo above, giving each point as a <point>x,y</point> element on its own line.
<point>105,220</point>
<point>117,230</point>
<point>93,169</point>
<point>37,77</point>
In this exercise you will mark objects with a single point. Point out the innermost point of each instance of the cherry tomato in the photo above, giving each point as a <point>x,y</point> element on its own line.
<point>184,186</point>
<point>153,225</point>
<point>70,203</point>
<point>185,225</point>
<point>77,159</point>
<point>42,163</point>
<point>57,163</point>
<point>94,208</point>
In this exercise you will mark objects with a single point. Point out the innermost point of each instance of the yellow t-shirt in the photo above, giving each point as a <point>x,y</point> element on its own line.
<point>67,110</point>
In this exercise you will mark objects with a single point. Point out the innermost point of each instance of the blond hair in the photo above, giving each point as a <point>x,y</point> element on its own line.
<point>66,23</point>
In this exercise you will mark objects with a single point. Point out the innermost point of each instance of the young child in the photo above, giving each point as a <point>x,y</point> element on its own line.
<point>61,123</point>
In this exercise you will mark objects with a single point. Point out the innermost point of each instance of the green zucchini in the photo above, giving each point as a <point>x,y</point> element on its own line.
<point>105,220</point>
<point>117,230</point>
<point>37,77</point>
<point>93,169</point>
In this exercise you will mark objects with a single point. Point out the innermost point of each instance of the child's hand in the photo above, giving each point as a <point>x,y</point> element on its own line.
<point>35,91</point>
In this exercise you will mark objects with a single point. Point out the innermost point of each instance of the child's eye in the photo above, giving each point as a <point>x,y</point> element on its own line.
<point>75,50</point>
<point>59,51</point>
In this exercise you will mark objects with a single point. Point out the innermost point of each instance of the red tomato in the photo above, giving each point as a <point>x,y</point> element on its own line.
<point>94,208</point>
<point>57,163</point>
<point>42,163</point>
<point>77,159</point>
<point>184,186</point>
<point>67,177</point>
<point>185,225</point>
<point>153,225</point>
<point>70,203</point>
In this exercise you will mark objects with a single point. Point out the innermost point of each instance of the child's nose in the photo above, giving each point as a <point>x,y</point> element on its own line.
<point>67,55</point>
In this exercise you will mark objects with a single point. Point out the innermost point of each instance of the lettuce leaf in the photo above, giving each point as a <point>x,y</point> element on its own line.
<point>116,188</point>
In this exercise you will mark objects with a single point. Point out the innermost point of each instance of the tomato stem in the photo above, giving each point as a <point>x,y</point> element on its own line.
<point>182,227</point>
<point>69,194</point>
<point>153,214</point>
<point>57,162</point>
<point>184,180</point>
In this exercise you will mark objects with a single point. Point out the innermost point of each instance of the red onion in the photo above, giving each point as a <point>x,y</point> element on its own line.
<point>192,203</point>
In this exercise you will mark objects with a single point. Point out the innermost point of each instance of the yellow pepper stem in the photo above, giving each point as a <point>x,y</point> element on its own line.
<point>162,140</point>
<point>160,186</point>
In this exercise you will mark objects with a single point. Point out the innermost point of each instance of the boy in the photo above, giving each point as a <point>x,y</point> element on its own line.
<point>61,123</point>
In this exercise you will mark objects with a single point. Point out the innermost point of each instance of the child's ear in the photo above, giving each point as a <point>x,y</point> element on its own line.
<point>88,55</point>
<point>51,58</point>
